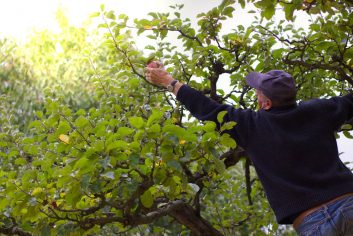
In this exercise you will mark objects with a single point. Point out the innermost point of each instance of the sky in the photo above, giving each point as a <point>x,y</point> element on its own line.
<point>18,18</point>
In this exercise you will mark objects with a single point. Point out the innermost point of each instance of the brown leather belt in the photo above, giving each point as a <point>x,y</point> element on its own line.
<point>304,214</point>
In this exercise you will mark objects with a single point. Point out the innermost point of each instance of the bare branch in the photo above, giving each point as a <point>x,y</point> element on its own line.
<point>185,35</point>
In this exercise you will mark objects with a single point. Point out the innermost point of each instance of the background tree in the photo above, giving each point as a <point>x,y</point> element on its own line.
<point>109,153</point>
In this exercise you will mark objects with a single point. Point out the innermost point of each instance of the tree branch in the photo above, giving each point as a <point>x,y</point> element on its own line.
<point>248,181</point>
<point>233,156</point>
<point>187,216</point>
<point>329,67</point>
<point>126,56</point>
<point>185,35</point>
<point>140,189</point>
<point>14,230</point>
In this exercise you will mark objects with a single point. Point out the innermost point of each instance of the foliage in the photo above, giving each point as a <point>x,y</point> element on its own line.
<point>48,61</point>
<point>23,96</point>
<point>108,153</point>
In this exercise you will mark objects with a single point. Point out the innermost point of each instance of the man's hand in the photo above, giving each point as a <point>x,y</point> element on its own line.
<point>156,74</point>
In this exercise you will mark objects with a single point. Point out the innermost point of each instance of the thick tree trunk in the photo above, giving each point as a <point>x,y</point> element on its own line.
<point>187,216</point>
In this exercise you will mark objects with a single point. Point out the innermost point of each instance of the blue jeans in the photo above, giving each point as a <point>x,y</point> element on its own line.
<point>334,219</point>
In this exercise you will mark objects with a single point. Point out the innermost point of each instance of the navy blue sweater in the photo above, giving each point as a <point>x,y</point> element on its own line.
<point>293,148</point>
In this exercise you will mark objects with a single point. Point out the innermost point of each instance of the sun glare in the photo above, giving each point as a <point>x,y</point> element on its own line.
<point>20,17</point>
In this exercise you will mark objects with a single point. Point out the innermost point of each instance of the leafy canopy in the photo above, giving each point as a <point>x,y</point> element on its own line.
<point>92,148</point>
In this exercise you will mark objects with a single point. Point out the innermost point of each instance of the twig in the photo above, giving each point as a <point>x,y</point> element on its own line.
<point>99,77</point>
<point>125,54</point>
<point>75,128</point>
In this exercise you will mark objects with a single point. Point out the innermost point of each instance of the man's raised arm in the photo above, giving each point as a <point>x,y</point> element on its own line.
<point>200,106</point>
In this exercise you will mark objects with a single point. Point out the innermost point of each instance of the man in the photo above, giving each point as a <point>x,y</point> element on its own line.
<point>292,147</point>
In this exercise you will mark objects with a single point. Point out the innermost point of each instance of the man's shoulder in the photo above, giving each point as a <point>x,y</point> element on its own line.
<point>243,114</point>
<point>327,103</point>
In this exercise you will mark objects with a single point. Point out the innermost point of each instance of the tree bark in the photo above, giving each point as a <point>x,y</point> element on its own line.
<point>14,231</point>
<point>187,216</point>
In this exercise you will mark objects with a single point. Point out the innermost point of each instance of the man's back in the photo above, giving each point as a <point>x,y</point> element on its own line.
<point>295,154</point>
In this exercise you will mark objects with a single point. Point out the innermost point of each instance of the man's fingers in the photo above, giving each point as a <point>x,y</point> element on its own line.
<point>156,76</point>
<point>148,74</point>
<point>159,65</point>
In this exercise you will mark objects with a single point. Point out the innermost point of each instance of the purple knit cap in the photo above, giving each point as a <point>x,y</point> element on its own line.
<point>275,84</point>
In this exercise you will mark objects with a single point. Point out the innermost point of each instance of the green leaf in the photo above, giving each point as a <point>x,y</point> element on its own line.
<point>242,3</point>
<point>111,15</point>
<point>81,112</point>
<point>81,122</point>
<point>13,153</point>
<point>85,182</point>
<point>219,165</point>
<point>74,195</point>
<point>209,137</point>
<point>347,134</point>
<point>125,131</point>
<point>155,116</point>
<point>39,114</point>
<point>227,141</point>
<point>209,126</point>
<point>33,150</point>
<point>346,127</point>
<point>228,11</point>
<point>4,202</point>
<point>36,124</point>
<point>221,115</point>
<point>20,161</point>
<point>137,122</point>
<point>28,140</point>
<point>156,128</point>
<point>269,12</point>
<point>95,14</point>
<point>278,53</point>
<point>154,131</point>
<point>175,130</point>
<point>147,199</point>
<point>119,144</point>
<point>63,128</point>
<point>134,159</point>
<point>229,125</point>
<point>289,10</point>
<point>315,27</point>
<point>82,163</point>
<point>175,165</point>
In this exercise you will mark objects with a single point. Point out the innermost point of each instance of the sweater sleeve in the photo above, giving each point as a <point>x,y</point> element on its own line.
<point>205,109</point>
<point>339,110</point>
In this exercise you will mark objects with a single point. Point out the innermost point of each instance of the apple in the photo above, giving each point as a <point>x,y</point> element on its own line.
<point>152,64</point>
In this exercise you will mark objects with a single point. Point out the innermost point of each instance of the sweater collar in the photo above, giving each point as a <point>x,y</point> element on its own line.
<point>282,108</point>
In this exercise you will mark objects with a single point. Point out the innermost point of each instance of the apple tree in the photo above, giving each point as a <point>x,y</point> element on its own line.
<point>134,162</point>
